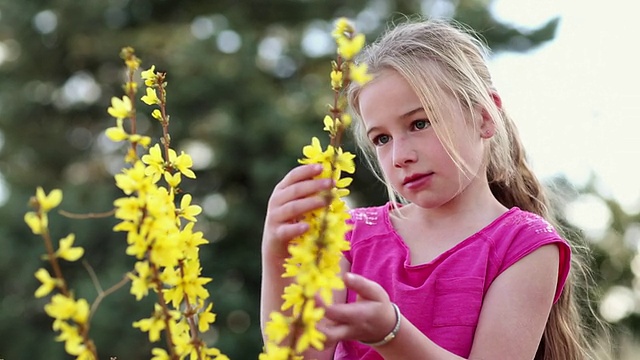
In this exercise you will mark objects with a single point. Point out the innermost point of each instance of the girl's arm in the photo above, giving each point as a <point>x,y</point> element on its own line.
<point>511,323</point>
<point>291,199</point>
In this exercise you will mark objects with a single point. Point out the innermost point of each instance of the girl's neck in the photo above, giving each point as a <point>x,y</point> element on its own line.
<point>429,232</point>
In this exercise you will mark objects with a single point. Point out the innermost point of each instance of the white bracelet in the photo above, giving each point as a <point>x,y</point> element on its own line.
<point>390,336</point>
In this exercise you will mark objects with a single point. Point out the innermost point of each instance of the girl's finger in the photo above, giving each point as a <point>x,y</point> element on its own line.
<point>364,320</point>
<point>295,209</point>
<point>298,174</point>
<point>365,288</point>
<point>290,231</point>
<point>337,332</point>
<point>300,190</point>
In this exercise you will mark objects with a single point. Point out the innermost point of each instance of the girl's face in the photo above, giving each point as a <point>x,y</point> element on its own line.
<point>410,154</point>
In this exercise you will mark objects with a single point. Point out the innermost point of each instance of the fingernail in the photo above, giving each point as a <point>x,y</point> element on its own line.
<point>348,276</point>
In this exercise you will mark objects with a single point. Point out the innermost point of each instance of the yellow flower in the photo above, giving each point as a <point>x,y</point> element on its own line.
<point>182,340</point>
<point>343,26</point>
<point>82,311</point>
<point>61,307</point>
<point>183,163</point>
<point>346,120</point>
<point>159,354</point>
<point>344,182</point>
<point>149,76</point>
<point>48,202</point>
<point>329,125</point>
<point>120,108</point>
<point>85,354</point>
<point>293,297</point>
<point>188,211</point>
<point>133,63</point>
<point>173,180</point>
<point>205,318</point>
<point>156,114</point>
<point>214,352</point>
<point>345,161</point>
<point>138,245</point>
<point>72,338</point>
<point>336,79</point>
<point>277,328</point>
<point>48,283</point>
<point>128,208</point>
<point>348,48</point>
<point>311,336</point>
<point>37,223</point>
<point>190,241</point>
<point>165,251</point>
<point>67,251</point>
<point>133,179</point>
<point>358,73</point>
<point>155,163</point>
<point>153,325</point>
<point>186,283</point>
<point>117,133</point>
<point>140,139</point>
<point>314,154</point>
<point>130,59</point>
<point>160,206</point>
<point>151,98</point>
<point>140,284</point>
<point>275,352</point>
<point>130,87</point>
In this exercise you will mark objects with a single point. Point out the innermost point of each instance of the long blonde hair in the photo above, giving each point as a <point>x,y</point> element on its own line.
<point>439,58</point>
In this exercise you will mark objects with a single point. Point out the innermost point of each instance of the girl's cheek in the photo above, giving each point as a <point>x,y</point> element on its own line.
<point>383,158</point>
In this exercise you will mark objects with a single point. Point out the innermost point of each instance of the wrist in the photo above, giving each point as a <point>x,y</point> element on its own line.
<point>391,335</point>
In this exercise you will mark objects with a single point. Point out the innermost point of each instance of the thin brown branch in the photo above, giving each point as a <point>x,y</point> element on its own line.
<point>87,215</point>
<point>92,275</point>
<point>165,312</point>
<point>189,313</point>
<point>103,294</point>
<point>53,260</point>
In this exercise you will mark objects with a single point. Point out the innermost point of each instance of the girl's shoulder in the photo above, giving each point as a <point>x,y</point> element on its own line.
<point>517,221</point>
<point>518,233</point>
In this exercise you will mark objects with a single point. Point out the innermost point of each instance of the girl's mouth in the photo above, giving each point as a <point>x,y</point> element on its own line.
<point>417,180</point>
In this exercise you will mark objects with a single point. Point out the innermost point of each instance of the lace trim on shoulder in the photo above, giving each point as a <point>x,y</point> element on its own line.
<point>369,216</point>
<point>537,223</point>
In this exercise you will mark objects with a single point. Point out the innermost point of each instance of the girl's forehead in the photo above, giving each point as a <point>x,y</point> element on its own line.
<point>388,94</point>
<point>391,93</point>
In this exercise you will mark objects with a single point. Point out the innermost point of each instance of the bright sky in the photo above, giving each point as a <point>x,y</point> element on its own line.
<point>576,100</point>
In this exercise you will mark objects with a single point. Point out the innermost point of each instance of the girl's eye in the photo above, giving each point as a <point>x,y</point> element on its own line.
<point>421,124</point>
<point>381,140</point>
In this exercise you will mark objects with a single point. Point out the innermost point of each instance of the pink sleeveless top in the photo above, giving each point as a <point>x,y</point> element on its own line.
<point>443,297</point>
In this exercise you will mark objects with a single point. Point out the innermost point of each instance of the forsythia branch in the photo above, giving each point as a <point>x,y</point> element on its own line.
<point>314,257</point>
<point>158,220</point>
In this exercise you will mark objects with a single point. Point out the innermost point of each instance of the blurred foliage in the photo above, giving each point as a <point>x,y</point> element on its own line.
<point>248,87</point>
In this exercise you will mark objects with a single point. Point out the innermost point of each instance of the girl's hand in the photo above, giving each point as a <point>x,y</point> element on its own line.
<point>369,319</point>
<point>292,197</point>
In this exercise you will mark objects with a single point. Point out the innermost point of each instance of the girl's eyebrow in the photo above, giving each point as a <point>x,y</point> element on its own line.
<point>403,116</point>
<point>412,112</point>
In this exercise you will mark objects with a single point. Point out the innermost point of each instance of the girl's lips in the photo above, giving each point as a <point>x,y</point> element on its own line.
<point>417,180</point>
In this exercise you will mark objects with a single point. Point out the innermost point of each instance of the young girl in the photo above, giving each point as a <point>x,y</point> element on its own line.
<point>461,263</point>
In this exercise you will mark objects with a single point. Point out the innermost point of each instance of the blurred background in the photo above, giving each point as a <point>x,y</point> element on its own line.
<point>248,87</point>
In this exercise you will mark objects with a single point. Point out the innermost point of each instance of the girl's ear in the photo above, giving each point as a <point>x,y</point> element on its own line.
<point>488,126</point>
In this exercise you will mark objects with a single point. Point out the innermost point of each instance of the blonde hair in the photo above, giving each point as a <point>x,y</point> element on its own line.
<point>442,59</point>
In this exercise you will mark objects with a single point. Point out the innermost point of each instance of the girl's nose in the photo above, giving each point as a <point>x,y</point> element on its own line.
<point>403,154</point>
